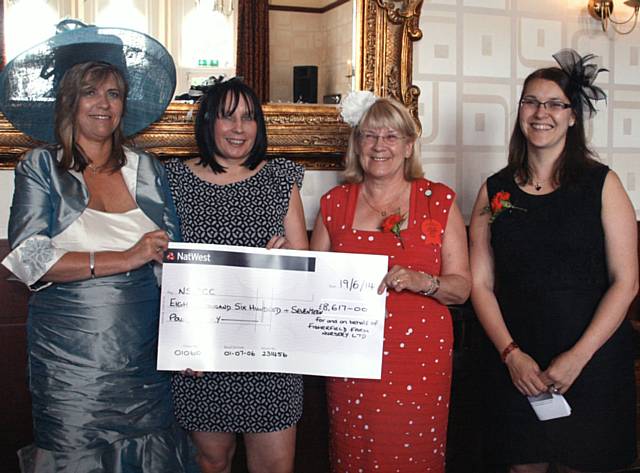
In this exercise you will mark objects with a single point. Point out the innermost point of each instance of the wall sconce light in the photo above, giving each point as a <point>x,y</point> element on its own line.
<point>350,71</point>
<point>602,10</point>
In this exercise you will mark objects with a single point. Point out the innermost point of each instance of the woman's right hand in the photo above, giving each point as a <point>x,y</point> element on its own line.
<point>525,373</point>
<point>150,247</point>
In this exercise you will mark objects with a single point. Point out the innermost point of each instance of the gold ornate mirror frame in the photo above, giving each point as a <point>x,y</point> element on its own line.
<point>313,135</point>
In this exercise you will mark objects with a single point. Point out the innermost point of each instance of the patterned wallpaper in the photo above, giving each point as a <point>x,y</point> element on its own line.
<point>470,65</point>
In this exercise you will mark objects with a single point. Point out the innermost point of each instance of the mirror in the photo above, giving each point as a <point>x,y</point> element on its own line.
<point>310,51</point>
<point>313,135</point>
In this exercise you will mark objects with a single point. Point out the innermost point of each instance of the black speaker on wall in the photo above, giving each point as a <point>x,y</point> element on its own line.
<point>305,84</point>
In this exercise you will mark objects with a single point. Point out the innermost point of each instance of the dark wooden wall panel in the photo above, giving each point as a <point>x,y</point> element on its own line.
<point>15,407</point>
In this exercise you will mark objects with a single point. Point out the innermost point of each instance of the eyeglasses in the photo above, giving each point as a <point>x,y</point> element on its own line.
<point>531,104</point>
<point>390,139</point>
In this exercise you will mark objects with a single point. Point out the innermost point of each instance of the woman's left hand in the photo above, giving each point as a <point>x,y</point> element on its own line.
<point>563,371</point>
<point>278,241</point>
<point>400,278</point>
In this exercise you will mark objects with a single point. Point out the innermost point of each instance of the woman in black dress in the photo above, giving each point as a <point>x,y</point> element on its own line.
<point>233,195</point>
<point>554,263</point>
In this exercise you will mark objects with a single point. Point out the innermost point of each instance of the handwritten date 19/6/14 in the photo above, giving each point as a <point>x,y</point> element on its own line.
<point>356,285</point>
<point>252,353</point>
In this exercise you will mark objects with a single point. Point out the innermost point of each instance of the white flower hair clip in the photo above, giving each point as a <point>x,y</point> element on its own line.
<point>355,105</point>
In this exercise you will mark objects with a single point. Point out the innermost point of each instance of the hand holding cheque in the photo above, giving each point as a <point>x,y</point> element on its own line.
<point>228,308</point>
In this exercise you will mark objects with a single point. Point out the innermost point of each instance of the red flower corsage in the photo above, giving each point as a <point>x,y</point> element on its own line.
<point>392,224</point>
<point>499,203</point>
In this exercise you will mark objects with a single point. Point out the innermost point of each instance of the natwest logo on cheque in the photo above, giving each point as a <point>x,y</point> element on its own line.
<point>175,256</point>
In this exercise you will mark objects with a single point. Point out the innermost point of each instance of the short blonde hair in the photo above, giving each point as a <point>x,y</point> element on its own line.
<point>384,113</point>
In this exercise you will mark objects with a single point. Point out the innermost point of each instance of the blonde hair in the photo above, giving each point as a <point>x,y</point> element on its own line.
<point>384,113</point>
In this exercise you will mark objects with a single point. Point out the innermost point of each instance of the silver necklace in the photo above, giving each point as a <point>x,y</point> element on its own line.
<point>96,169</point>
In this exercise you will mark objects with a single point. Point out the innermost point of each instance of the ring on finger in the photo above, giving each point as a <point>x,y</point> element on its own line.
<point>553,389</point>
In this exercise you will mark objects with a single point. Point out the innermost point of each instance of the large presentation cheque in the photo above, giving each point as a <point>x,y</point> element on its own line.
<point>230,308</point>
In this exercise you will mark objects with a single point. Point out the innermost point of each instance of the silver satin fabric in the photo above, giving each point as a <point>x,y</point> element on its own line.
<point>99,404</point>
<point>47,199</point>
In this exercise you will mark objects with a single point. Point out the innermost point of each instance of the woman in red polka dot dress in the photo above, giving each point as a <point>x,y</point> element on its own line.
<point>397,423</point>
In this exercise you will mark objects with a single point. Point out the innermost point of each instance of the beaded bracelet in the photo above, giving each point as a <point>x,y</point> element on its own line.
<point>434,285</point>
<point>509,348</point>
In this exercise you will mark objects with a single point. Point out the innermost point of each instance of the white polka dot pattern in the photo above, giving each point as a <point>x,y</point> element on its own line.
<point>398,423</point>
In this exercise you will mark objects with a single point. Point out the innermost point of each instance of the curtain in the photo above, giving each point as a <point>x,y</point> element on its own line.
<point>3,56</point>
<point>252,56</point>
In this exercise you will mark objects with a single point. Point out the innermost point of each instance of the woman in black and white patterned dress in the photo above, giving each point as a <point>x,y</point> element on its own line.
<point>232,195</point>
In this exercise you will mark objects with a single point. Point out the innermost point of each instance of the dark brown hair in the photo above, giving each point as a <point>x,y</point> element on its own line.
<point>576,155</point>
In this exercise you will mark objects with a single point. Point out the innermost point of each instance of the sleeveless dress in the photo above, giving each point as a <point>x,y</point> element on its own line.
<point>550,275</point>
<point>245,213</point>
<point>398,423</point>
<point>99,404</point>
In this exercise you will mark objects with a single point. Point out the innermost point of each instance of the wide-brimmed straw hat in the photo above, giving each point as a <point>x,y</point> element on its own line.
<point>28,84</point>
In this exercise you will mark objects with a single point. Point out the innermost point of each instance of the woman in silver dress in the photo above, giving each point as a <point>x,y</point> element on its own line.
<point>89,219</point>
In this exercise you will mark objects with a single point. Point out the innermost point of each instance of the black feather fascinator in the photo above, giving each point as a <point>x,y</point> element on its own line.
<point>582,75</point>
